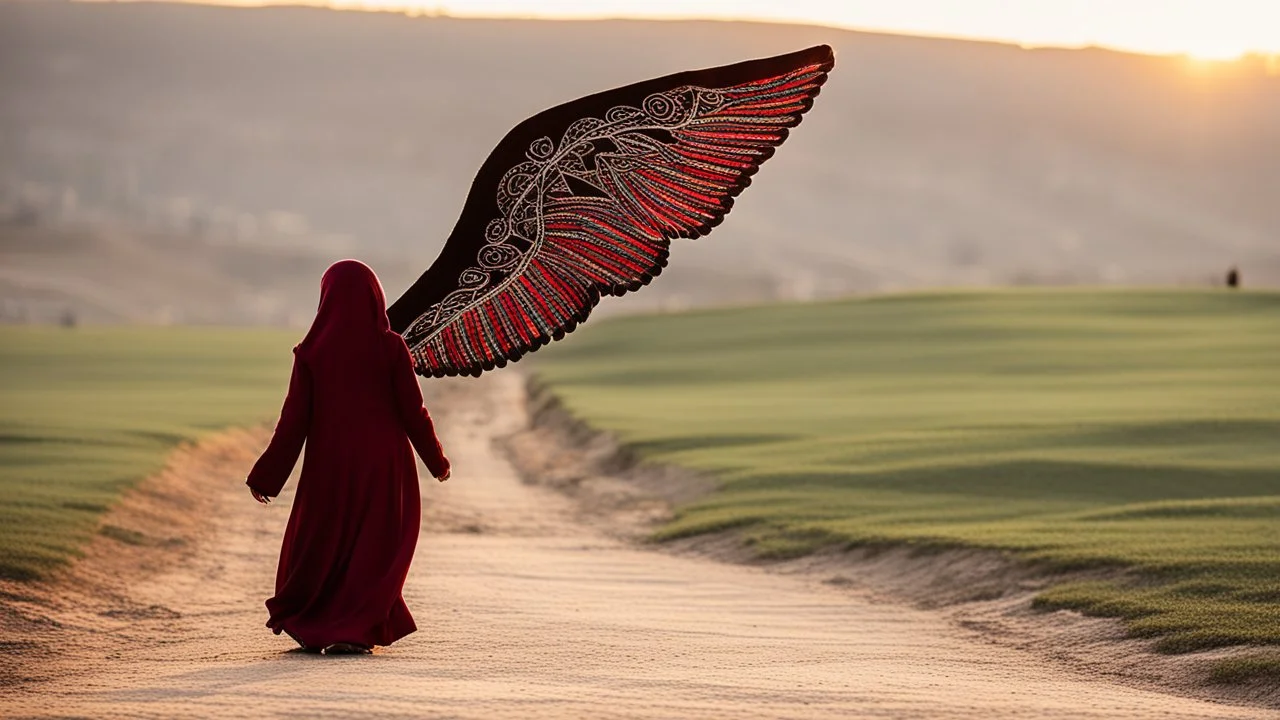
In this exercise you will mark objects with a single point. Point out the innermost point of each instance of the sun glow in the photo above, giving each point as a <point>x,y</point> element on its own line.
<point>1216,53</point>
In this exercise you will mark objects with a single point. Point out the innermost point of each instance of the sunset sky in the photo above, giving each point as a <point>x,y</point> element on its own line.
<point>1216,29</point>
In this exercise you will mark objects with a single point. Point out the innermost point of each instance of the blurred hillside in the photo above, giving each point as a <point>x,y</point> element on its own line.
<point>181,163</point>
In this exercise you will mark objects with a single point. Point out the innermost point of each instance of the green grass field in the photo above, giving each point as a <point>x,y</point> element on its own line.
<point>1076,429</point>
<point>85,413</point>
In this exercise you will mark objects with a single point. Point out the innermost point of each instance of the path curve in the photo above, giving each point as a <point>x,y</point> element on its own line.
<point>525,613</point>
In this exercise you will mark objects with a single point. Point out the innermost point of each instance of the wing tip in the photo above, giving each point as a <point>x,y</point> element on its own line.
<point>823,56</point>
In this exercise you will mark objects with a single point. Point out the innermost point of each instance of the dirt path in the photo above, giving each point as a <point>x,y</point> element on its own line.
<point>525,613</point>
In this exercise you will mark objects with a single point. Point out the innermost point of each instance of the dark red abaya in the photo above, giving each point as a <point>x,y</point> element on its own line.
<point>355,401</point>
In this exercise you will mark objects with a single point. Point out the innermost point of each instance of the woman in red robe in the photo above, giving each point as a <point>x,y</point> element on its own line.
<point>355,401</point>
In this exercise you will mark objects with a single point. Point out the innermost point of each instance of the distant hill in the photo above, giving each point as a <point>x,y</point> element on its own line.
<point>233,135</point>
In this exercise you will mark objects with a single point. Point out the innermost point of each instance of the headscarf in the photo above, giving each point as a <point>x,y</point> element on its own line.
<point>352,315</point>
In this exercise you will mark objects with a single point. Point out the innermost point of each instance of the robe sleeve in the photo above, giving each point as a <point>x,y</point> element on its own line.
<point>276,464</point>
<point>416,419</point>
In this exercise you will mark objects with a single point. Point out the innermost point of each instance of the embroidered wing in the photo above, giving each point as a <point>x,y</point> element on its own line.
<point>582,200</point>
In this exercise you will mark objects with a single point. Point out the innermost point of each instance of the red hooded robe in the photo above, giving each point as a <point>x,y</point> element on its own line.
<point>355,401</point>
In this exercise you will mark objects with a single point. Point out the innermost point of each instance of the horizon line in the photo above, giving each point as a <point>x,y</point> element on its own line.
<point>406,8</point>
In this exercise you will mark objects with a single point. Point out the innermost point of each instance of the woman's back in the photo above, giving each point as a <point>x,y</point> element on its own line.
<point>354,401</point>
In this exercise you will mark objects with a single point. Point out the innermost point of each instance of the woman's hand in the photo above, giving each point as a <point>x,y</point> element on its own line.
<point>260,497</point>
<point>447,474</point>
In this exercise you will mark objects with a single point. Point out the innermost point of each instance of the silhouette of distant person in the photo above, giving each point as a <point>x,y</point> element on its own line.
<point>1233,278</point>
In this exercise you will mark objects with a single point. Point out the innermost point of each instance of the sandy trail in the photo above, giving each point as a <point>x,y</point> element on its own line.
<point>526,613</point>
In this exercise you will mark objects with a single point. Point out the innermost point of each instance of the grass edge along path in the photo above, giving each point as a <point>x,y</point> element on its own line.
<point>1070,428</point>
<point>86,413</point>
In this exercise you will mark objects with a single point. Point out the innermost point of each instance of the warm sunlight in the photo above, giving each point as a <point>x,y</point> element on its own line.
<point>1203,29</point>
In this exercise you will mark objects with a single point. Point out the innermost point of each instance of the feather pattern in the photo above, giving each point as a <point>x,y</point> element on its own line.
<point>591,210</point>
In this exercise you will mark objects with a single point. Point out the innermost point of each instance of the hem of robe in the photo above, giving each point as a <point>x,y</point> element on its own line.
<point>398,624</point>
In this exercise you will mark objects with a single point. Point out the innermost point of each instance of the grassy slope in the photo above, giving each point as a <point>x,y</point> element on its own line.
<point>1139,429</point>
<point>86,413</point>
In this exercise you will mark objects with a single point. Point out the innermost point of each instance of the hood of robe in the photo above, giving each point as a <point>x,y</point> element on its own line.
<point>352,313</point>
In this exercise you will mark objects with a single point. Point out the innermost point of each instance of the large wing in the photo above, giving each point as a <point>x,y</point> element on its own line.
<point>582,200</point>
